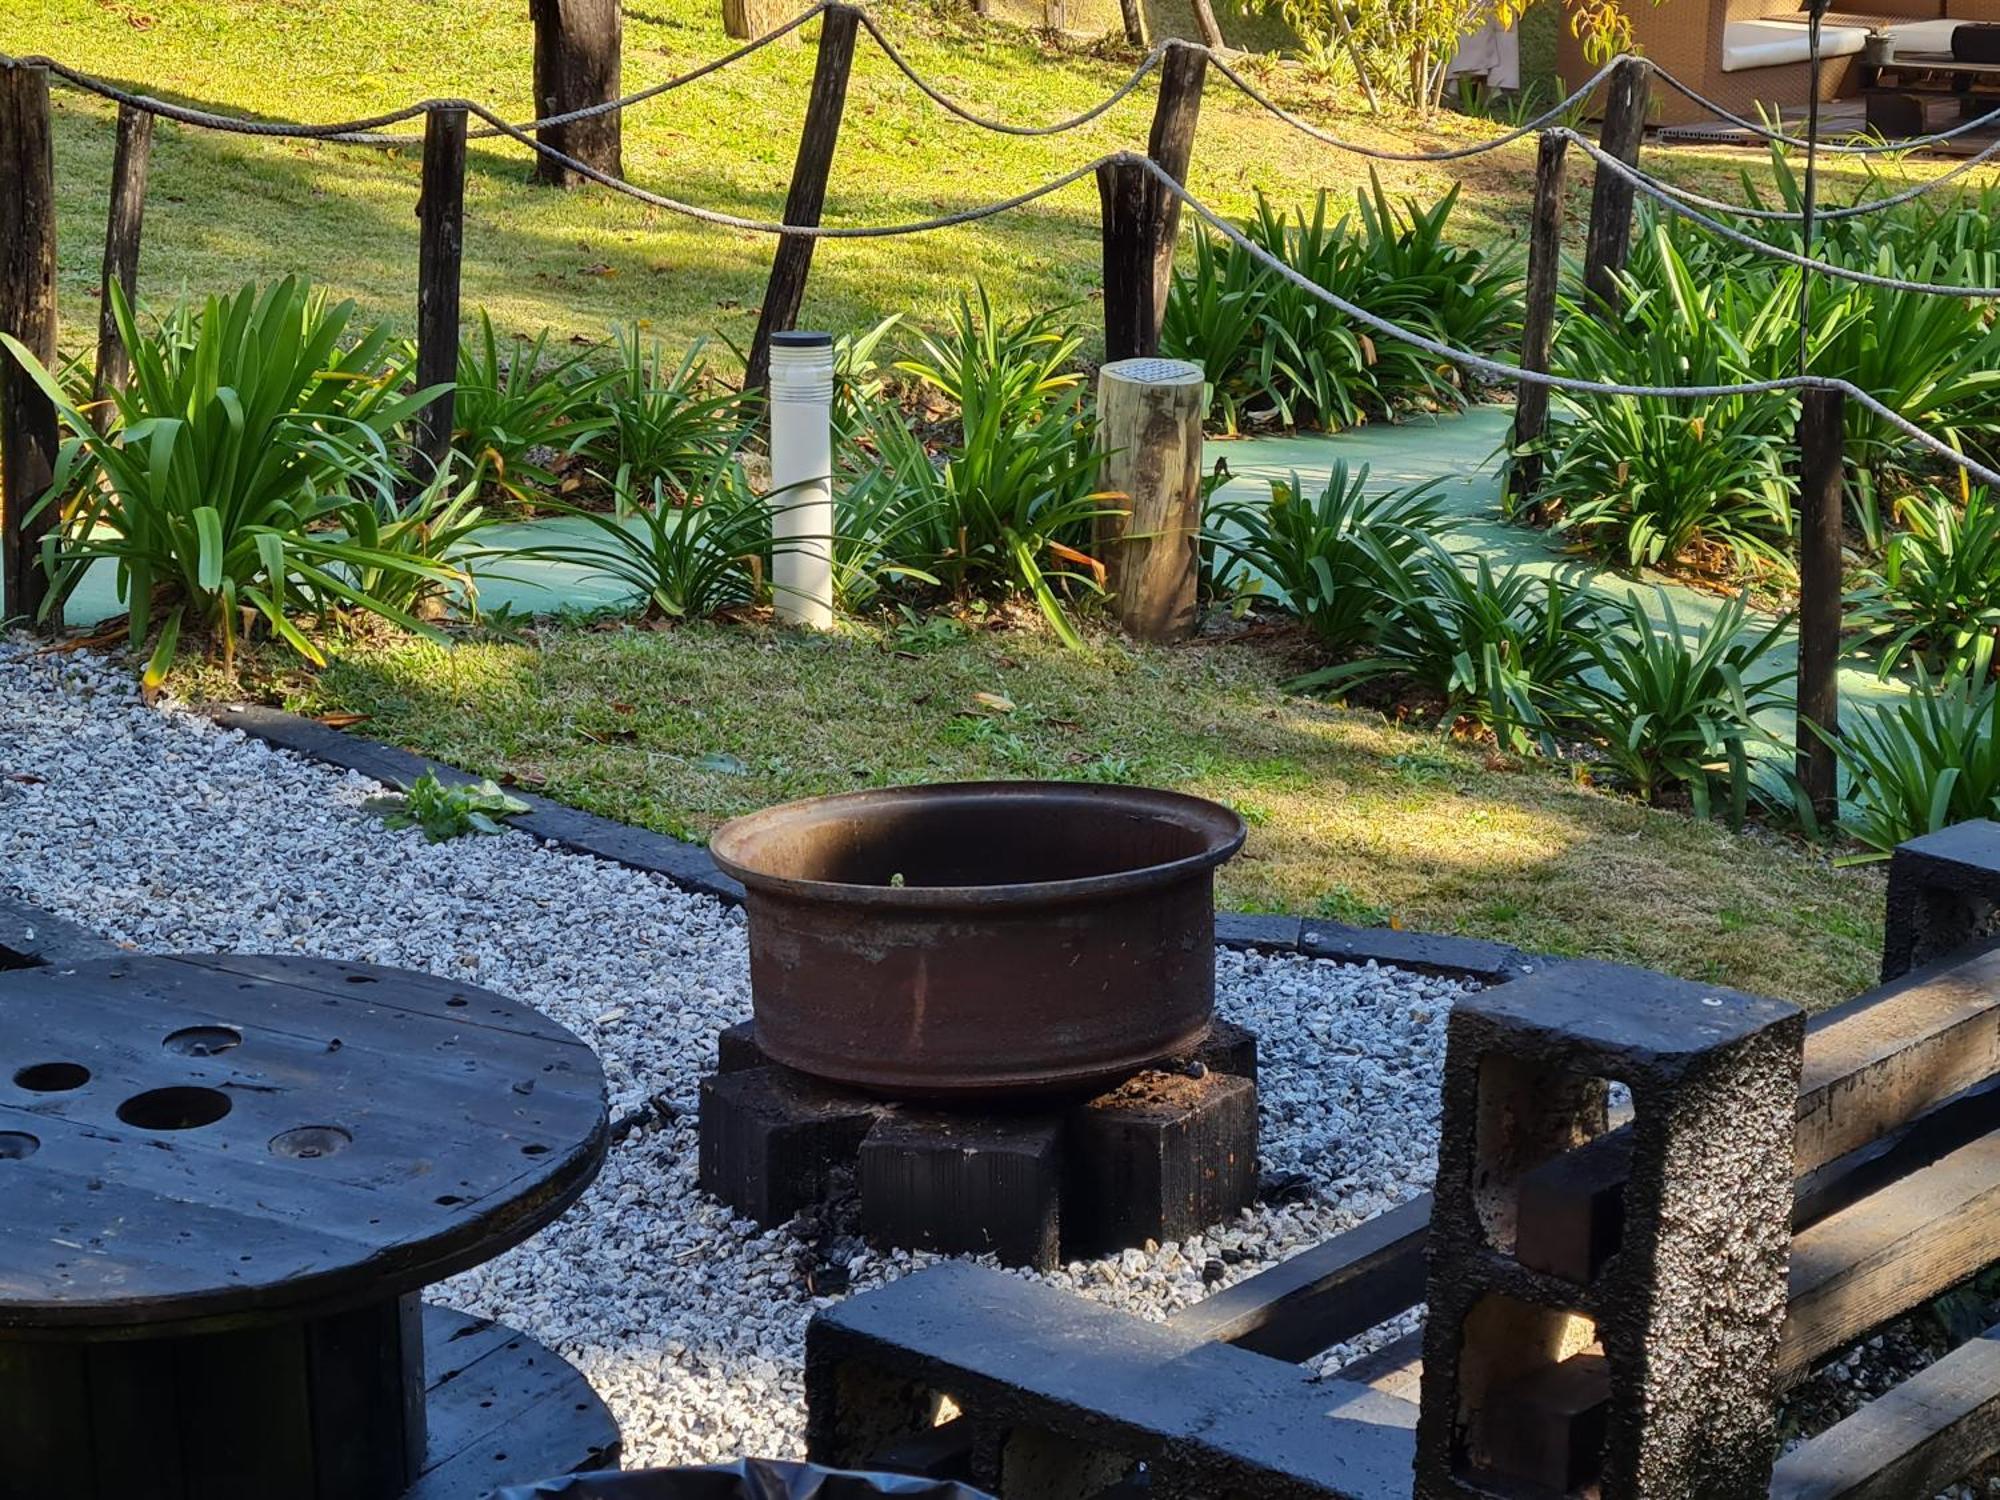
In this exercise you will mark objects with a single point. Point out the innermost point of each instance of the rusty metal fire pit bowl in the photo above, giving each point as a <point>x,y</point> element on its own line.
<point>979,938</point>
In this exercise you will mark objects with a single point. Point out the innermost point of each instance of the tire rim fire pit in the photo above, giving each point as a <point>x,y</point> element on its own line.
<point>989,1006</point>
<point>981,938</point>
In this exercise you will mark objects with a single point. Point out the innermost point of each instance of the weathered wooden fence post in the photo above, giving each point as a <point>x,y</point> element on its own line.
<point>1133,14</point>
<point>1131,322</point>
<point>786,290</point>
<point>1171,146</point>
<point>578,63</point>
<point>1205,23</point>
<point>1149,427</point>
<point>440,255</point>
<point>28,437</point>
<point>1625,98</point>
<point>1822,439</point>
<point>129,162</point>
<point>1538,323</point>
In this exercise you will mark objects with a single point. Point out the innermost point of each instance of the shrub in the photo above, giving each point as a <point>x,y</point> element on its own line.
<point>242,470</point>
<point>662,421</point>
<point>1498,648</point>
<point>684,561</point>
<point>1657,481</point>
<point>1936,597</point>
<point>1010,508</point>
<point>884,512</point>
<point>513,408</point>
<point>435,525</point>
<point>1925,763</point>
<point>1675,707</point>
<point>1335,560</point>
<point>1264,340</point>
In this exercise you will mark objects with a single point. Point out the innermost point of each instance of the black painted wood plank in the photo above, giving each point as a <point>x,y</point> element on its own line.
<point>516,1413</point>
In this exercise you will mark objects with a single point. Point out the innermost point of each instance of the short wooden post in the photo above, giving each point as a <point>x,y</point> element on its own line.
<point>578,63</point>
<point>1538,323</point>
<point>746,20</point>
<point>1133,14</point>
<point>1171,146</point>
<point>1822,440</point>
<point>440,254</point>
<point>1131,325</point>
<point>1624,126</point>
<point>129,162</point>
<point>1149,427</point>
<point>785,293</point>
<point>28,438</point>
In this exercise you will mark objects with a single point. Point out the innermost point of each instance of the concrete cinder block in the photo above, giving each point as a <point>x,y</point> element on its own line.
<point>1686,1308</point>
<point>1944,892</point>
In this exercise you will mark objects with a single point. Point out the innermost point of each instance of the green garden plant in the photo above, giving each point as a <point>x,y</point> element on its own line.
<point>514,406</point>
<point>1922,764</point>
<point>660,420</point>
<point>447,812</point>
<point>683,561</point>
<point>1498,648</point>
<point>1657,481</point>
<point>1336,560</point>
<point>1266,342</point>
<point>1936,597</point>
<point>436,525</point>
<point>1010,508</point>
<point>1676,708</point>
<point>241,475</point>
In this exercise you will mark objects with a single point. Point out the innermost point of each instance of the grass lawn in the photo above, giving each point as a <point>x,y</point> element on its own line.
<point>1351,817</point>
<point>225,209</point>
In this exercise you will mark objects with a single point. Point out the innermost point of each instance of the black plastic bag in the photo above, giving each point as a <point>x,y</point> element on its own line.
<point>747,1479</point>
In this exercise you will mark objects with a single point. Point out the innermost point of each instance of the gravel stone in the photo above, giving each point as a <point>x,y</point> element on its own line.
<point>166,833</point>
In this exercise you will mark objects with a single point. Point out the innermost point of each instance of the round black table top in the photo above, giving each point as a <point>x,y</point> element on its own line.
<point>219,1140</point>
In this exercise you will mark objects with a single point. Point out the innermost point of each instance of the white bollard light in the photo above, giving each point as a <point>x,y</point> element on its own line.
<point>801,395</point>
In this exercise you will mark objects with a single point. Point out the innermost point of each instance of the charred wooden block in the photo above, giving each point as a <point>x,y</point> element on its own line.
<point>1944,892</point>
<point>1688,1311</point>
<point>1571,1212</point>
<point>772,1141</point>
<point>1547,1428</point>
<point>1160,1157</point>
<point>736,1049</point>
<point>1228,1048</point>
<point>965,1185</point>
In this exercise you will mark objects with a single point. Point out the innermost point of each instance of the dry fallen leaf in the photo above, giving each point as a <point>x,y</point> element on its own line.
<point>995,702</point>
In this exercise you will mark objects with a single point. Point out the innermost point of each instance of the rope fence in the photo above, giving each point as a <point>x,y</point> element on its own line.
<point>1142,198</point>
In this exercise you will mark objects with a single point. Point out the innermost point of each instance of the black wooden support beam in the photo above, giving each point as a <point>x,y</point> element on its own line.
<point>1610,238</point>
<point>440,256</point>
<point>1822,439</point>
<point>1538,322</point>
<point>28,437</point>
<point>785,293</point>
<point>129,162</point>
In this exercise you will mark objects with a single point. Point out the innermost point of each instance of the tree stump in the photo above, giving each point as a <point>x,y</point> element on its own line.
<point>1149,426</point>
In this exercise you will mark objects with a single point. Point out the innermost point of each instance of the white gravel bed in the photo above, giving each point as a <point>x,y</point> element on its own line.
<point>165,833</point>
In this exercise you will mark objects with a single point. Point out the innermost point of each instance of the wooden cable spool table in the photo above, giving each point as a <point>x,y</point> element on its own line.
<point>224,1181</point>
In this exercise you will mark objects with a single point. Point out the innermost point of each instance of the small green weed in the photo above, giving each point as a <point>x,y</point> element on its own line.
<point>447,812</point>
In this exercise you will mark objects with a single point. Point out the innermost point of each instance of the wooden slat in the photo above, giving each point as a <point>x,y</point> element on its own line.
<point>1891,1251</point>
<point>1912,1440</point>
<point>1329,1293</point>
<point>1871,1067</point>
